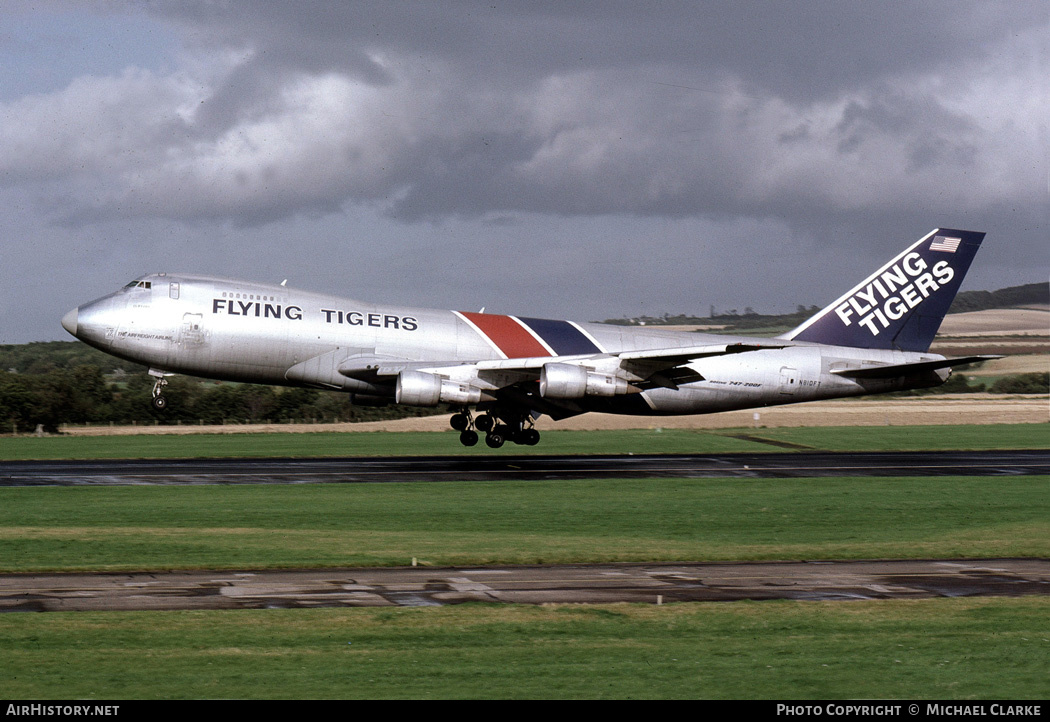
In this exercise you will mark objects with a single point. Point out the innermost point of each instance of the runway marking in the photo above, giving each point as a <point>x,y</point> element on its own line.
<point>463,584</point>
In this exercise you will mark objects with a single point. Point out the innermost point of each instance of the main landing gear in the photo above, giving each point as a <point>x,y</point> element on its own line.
<point>498,430</point>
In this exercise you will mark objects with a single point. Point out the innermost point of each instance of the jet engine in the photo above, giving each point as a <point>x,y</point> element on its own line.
<point>566,381</point>
<point>416,388</point>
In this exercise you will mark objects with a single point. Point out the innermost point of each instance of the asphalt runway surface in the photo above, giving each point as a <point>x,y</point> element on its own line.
<point>591,584</point>
<point>503,467</point>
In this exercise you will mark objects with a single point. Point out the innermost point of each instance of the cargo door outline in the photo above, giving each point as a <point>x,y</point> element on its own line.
<point>191,332</point>
<point>789,380</point>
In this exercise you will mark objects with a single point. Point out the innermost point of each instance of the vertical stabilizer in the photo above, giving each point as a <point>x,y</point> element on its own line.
<point>901,305</point>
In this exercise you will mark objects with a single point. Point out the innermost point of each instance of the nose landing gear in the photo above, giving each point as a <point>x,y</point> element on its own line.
<point>159,402</point>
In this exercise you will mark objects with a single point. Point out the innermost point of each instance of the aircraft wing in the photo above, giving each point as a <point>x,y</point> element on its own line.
<point>893,370</point>
<point>662,367</point>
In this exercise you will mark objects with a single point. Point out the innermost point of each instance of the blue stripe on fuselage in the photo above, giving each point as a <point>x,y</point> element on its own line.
<point>564,338</point>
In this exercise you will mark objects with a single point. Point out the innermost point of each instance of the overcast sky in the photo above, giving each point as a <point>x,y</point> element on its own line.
<point>581,160</point>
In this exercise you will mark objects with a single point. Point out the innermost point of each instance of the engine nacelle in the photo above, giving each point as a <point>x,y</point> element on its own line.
<point>563,381</point>
<point>416,388</point>
<point>566,381</point>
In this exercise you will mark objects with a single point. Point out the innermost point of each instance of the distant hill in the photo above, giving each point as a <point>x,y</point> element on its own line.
<point>1032,293</point>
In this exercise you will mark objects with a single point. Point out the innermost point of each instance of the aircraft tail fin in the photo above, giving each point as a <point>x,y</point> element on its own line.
<point>901,305</point>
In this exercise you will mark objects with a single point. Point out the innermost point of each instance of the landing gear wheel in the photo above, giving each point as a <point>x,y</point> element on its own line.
<point>485,423</point>
<point>530,437</point>
<point>459,422</point>
<point>468,438</point>
<point>159,402</point>
<point>494,439</point>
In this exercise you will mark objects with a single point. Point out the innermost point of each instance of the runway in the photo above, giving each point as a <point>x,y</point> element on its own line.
<point>503,467</point>
<point>592,584</point>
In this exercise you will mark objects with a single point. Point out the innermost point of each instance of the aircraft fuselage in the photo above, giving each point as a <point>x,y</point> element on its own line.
<point>270,334</point>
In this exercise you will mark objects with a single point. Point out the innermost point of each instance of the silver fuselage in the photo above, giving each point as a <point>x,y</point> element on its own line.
<point>270,334</point>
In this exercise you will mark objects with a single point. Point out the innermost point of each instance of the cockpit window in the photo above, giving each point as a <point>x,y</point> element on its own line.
<point>145,285</point>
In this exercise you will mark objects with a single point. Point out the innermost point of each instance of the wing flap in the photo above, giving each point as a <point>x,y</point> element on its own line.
<point>678,356</point>
<point>667,367</point>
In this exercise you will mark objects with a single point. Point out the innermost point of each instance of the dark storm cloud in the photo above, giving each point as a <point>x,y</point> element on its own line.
<point>588,108</point>
<point>800,51</point>
<point>430,110</point>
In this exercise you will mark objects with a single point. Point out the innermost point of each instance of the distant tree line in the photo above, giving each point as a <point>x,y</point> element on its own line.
<point>51,384</point>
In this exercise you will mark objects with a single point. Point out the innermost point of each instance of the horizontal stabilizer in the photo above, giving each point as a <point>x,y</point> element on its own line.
<point>894,370</point>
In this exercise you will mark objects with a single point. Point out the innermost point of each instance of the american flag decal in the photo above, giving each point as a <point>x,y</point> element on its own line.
<point>945,243</point>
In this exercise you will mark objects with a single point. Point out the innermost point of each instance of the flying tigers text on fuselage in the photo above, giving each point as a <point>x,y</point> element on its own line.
<point>261,309</point>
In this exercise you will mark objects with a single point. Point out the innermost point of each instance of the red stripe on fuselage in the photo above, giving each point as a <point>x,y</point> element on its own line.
<point>509,336</point>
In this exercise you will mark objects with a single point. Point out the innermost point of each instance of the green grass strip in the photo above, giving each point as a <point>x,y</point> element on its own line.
<point>633,441</point>
<point>519,522</point>
<point>944,649</point>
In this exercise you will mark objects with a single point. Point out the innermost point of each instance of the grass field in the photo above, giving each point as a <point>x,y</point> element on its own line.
<point>948,649</point>
<point>627,441</point>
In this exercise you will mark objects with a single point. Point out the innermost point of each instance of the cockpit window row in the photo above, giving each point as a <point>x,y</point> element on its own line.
<point>145,285</point>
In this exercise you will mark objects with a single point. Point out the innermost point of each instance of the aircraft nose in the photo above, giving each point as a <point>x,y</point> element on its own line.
<point>69,321</point>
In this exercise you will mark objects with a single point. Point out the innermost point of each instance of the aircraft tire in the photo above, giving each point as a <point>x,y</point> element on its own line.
<point>459,422</point>
<point>494,439</point>
<point>485,423</point>
<point>468,437</point>
<point>159,403</point>
<point>531,437</point>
